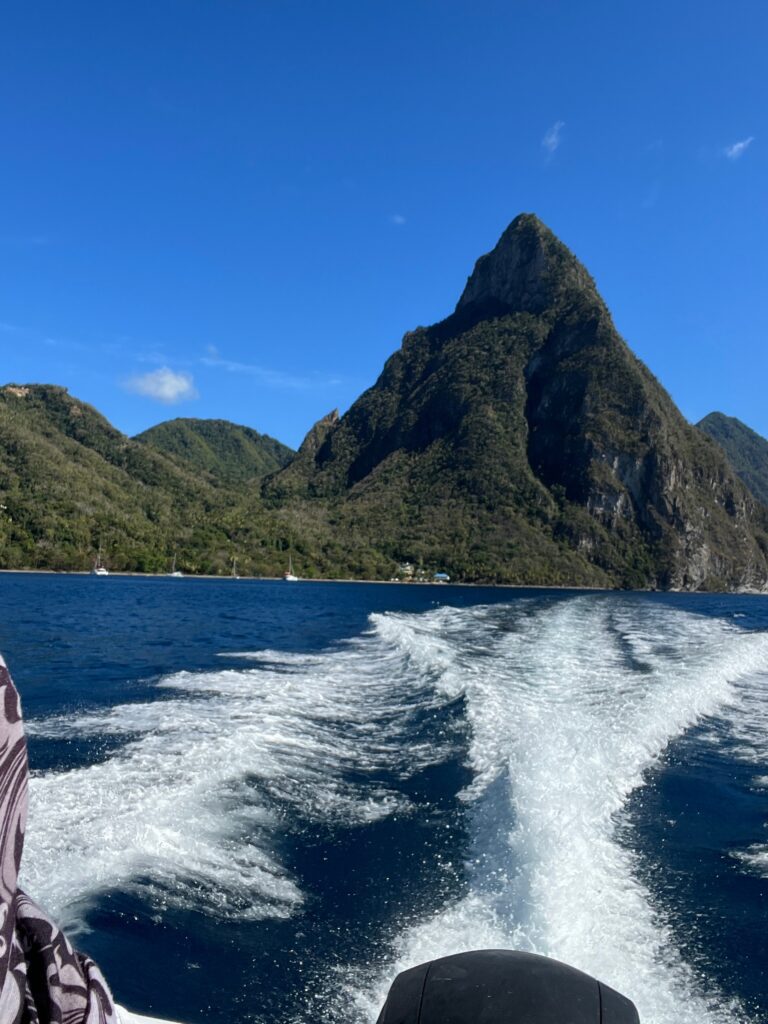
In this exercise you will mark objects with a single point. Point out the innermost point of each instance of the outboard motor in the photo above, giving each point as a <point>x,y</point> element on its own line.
<point>498,986</point>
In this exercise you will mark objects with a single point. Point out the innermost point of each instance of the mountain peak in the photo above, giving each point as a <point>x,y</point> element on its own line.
<point>529,270</point>
<point>747,451</point>
<point>318,433</point>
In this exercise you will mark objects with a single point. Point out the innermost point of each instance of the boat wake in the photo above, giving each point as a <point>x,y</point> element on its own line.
<point>568,710</point>
<point>188,813</point>
<point>566,705</point>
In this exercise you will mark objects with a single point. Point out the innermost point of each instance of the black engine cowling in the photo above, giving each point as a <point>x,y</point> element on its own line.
<point>499,986</point>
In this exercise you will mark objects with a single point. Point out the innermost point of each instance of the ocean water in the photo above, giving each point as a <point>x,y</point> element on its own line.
<point>256,802</point>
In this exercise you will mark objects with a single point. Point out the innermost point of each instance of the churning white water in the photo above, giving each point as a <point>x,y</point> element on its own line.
<point>746,736</point>
<point>568,709</point>
<point>186,811</point>
<point>568,705</point>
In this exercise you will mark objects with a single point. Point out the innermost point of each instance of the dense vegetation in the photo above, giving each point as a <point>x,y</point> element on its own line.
<point>71,484</point>
<point>747,451</point>
<point>519,440</point>
<point>223,453</point>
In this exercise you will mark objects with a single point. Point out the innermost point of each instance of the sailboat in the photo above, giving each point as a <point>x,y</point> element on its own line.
<point>288,574</point>
<point>174,571</point>
<point>99,569</point>
<point>234,569</point>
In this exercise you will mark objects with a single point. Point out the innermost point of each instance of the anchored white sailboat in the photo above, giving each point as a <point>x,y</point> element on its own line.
<point>288,575</point>
<point>99,569</point>
<point>174,571</point>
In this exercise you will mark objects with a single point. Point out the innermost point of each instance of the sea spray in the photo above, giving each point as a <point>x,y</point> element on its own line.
<point>185,812</point>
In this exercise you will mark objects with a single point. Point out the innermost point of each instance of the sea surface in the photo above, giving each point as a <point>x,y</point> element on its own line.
<point>256,801</point>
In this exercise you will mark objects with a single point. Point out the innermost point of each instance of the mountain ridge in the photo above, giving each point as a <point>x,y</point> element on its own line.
<point>225,453</point>
<point>746,450</point>
<point>518,440</point>
<point>72,484</point>
<point>522,411</point>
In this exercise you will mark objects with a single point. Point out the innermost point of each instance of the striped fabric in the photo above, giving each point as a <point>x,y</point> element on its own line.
<point>43,980</point>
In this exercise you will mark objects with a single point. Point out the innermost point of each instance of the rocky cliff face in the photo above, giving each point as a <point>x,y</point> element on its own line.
<point>317,435</point>
<point>745,449</point>
<point>520,439</point>
<point>528,271</point>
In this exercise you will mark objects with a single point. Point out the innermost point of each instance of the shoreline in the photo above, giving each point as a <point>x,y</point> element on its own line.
<point>398,583</point>
<point>301,579</point>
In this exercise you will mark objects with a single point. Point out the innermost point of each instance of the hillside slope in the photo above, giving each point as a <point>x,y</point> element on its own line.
<point>747,451</point>
<point>70,483</point>
<point>521,440</point>
<point>225,454</point>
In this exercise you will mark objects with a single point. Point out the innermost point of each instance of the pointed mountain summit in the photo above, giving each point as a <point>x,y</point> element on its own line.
<point>521,440</point>
<point>528,271</point>
<point>318,433</point>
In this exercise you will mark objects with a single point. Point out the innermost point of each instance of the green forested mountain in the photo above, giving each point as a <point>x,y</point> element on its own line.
<point>747,451</point>
<point>71,483</point>
<point>520,439</point>
<point>223,453</point>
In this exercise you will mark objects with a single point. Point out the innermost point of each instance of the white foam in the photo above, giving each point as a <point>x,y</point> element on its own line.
<point>746,738</point>
<point>563,731</point>
<point>756,857</point>
<point>569,705</point>
<point>185,811</point>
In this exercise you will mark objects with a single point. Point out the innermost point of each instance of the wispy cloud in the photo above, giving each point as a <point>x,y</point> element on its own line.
<point>56,342</point>
<point>552,139</point>
<point>267,377</point>
<point>164,385</point>
<point>31,334</point>
<point>738,149</point>
<point>66,344</point>
<point>397,219</point>
<point>156,358</point>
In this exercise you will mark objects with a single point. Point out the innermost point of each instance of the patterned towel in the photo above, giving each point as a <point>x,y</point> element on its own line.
<point>42,979</point>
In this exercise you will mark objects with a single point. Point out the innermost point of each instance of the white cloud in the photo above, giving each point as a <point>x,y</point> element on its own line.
<point>398,219</point>
<point>551,139</point>
<point>163,385</point>
<point>737,149</point>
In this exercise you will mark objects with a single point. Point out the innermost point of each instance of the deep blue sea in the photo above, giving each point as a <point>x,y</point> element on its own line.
<point>257,801</point>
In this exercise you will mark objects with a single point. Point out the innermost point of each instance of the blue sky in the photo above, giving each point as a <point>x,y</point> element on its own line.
<point>236,208</point>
